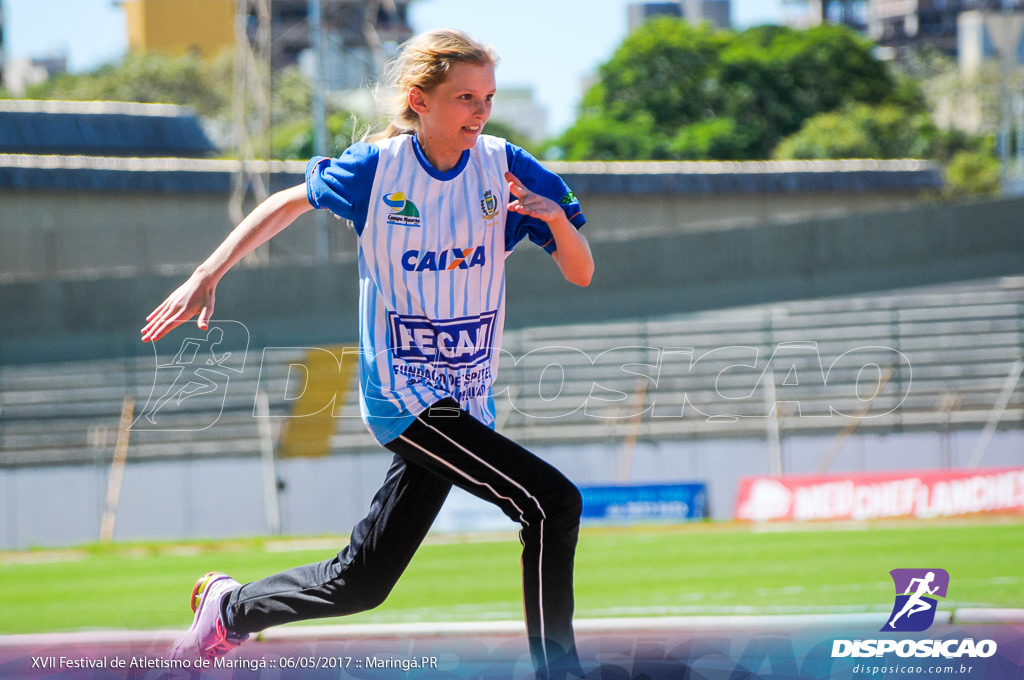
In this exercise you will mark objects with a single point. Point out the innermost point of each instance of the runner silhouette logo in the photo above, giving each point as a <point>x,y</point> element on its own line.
<point>190,387</point>
<point>916,590</point>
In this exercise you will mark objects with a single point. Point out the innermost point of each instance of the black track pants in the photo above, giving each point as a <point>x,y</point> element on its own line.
<point>444,446</point>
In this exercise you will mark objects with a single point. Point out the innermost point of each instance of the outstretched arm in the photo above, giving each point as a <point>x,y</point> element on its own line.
<point>572,253</point>
<point>196,295</point>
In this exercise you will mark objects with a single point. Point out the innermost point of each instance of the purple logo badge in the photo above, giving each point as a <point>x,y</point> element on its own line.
<point>916,590</point>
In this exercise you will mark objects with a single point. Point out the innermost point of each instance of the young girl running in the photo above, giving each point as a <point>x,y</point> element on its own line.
<point>430,201</point>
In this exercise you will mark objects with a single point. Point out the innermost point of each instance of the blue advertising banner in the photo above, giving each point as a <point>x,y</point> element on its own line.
<point>645,502</point>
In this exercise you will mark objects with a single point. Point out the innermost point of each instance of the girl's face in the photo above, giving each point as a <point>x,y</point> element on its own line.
<point>453,114</point>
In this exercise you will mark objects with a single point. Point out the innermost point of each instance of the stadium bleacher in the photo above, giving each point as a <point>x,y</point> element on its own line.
<point>810,367</point>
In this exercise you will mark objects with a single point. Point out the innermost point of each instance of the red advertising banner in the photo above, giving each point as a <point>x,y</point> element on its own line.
<point>911,494</point>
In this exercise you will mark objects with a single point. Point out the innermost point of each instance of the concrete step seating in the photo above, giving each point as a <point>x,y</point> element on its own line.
<point>945,352</point>
<point>957,345</point>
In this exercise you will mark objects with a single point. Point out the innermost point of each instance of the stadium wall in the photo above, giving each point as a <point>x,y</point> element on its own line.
<point>222,498</point>
<point>298,304</point>
<point>79,215</point>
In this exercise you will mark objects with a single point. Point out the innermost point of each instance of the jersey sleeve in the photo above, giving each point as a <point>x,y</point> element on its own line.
<point>540,180</point>
<point>343,184</point>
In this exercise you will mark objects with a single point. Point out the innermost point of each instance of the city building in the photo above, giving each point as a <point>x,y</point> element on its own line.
<point>897,26</point>
<point>517,108</point>
<point>807,13</point>
<point>989,36</point>
<point>714,12</point>
<point>359,35</point>
<point>901,24</point>
<point>638,13</point>
<point>205,27</point>
<point>21,73</point>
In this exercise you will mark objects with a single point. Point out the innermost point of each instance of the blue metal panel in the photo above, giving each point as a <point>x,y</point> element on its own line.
<point>92,134</point>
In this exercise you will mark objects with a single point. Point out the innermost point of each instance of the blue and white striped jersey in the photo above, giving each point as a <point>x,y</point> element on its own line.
<point>432,249</point>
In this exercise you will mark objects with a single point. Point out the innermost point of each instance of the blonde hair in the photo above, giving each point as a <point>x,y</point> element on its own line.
<point>423,62</point>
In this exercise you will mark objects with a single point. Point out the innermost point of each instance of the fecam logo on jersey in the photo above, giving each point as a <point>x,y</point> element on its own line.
<point>914,610</point>
<point>443,260</point>
<point>403,211</point>
<point>455,343</point>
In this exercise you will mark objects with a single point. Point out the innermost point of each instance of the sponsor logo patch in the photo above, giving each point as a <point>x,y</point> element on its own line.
<point>455,343</point>
<point>403,211</point>
<point>443,260</point>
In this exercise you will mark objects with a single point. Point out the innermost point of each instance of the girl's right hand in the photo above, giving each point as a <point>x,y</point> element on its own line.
<point>195,296</point>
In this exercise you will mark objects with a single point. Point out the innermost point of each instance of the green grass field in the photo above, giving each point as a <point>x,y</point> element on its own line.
<point>649,571</point>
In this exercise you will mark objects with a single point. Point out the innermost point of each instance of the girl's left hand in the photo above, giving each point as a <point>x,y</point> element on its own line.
<point>529,203</point>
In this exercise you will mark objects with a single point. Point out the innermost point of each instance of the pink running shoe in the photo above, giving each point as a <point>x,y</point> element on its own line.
<point>208,638</point>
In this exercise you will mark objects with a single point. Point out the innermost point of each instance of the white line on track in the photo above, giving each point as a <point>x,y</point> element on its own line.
<point>651,624</point>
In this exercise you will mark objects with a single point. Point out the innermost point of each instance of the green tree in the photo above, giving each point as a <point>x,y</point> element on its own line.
<point>892,131</point>
<point>727,95</point>
<point>888,131</point>
<point>291,118</point>
<point>293,140</point>
<point>595,137</point>
<point>863,131</point>
<point>291,97</point>
<point>151,78</point>
<point>967,101</point>
<point>775,78</point>
<point>713,138</point>
<point>206,87</point>
<point>973,173</point>
<point>667,69</point>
